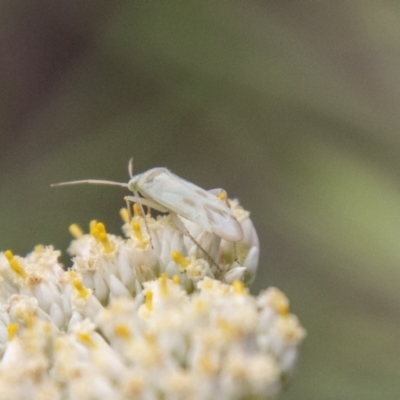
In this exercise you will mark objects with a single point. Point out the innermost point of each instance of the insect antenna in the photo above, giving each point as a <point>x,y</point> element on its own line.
<point>91,182</point>
<point>130,167</point>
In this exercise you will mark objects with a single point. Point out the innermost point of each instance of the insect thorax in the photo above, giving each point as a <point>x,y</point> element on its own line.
<point>133,185</point>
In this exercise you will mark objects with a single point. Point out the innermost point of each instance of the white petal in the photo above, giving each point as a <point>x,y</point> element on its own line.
<point>100,290</point>
<point>117,288</point>
<point>234,274</point>
<point>57,315</point>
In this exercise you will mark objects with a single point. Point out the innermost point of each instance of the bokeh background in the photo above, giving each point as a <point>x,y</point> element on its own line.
<point>291,106</point>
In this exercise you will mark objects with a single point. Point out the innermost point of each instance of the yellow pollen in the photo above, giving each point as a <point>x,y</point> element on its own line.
<point>76,231</point>
<point>123,213</point>
<point>176,279</point>
<point>12,331</point>
<point>149,300</point>
<point>137,210</point>
<point>238,286</point>
<point>86,338</point>
<point>179,259</point>
<point>14,264</point>
<point>82,291</point>
<point>123,331</point>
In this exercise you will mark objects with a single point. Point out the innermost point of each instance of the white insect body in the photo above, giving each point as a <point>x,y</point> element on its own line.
<point>176,195</point>
<point>167,192</point>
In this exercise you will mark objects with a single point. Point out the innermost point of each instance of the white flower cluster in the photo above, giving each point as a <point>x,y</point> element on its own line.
<point>150,316</point>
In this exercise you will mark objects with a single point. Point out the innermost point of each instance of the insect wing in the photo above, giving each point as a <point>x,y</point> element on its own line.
<point>191,202</point>
<point>224,223</point>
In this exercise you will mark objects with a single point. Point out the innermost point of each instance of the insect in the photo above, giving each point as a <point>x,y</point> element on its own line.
<point>166,192</point>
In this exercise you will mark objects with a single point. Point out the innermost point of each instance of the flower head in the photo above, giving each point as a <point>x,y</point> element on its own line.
<point>163,313</point>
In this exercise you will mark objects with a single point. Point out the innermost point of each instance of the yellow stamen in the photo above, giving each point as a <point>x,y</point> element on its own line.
<point>14,264</point>
<point>16,267</point>
<point>176,279</point>
<point>222,196</point>
<point>39,248</point>
<point>98,231</point>
<point>207,365</point>
<point>208,284</point>
<point>200,306</point>
<point>124,215</point>
<point>9,255</point>
<point>69,276</point>
<point>224,325</point>
<point>229,330</point>
<point>76,231</point>
<point>150,338</point>
<point>149,300</point>
<point>30,320</point>
<point>282,307</point>
<point>179,259</point>
<point>105,242</point>
<point>34,280</point>
<point>95,233</point>
<point>238,286</point>
<point>137,231</point>
<point>47,329</point>
<point>12,331</point>
<point>82,291</point>
<point>101,227</point>
<point>86,338</point>
<point>164,284</point>
<point>58,343</point>
<point>138,234</point>
<point>92,225</point>
<point>123,331</point>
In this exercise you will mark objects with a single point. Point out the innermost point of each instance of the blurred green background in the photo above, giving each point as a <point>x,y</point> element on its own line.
<point>291,106</point>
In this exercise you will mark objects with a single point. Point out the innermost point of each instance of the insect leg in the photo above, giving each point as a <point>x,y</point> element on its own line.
<point>149,203</point>
<point>128,206</point>
<point>235,256</point>
<point>181,226</point>
<point>146,202</point>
